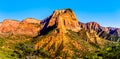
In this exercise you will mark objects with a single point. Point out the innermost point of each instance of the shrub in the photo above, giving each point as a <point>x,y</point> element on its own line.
<point>109,52</point>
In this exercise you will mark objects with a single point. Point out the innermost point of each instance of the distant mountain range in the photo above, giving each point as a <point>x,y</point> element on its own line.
<point>60,35</point>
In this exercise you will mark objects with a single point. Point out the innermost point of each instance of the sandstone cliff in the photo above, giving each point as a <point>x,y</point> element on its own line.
<point>29,27</point>
<point>62,19</point>
<point>9,26</point>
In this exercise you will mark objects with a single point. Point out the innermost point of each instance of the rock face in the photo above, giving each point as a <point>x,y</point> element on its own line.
<point>92,26</point>
<point>109,33</point>
<point>29,27</point>
<point>63,20</point>
<point>9,26</point>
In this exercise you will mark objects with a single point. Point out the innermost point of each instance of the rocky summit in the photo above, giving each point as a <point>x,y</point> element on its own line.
<point>59,36</point>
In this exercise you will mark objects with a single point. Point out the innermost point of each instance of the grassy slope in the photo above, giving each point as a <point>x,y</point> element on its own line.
<point>7,46</point>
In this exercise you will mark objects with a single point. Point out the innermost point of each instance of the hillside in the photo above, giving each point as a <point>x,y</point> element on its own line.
<point>59,36</point>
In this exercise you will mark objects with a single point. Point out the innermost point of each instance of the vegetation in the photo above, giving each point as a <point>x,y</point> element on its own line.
<point>109,52</point>
<point>2,40</point>
<point>76,46</point>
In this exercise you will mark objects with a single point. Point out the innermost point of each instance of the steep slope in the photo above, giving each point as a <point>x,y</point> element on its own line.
<point>63,19</point>
<point>56,42</point>
<point>108,33</point>
<point>64,38</point>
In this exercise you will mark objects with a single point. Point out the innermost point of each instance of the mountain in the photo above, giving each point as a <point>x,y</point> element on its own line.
<point>58,36</point>
<point>62,19</point>
<point>62,36</point>
<point>109,33</point>
<point>29,27</point>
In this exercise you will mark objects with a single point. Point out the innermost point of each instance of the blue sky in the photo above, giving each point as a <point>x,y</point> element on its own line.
<point>104,12</point>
